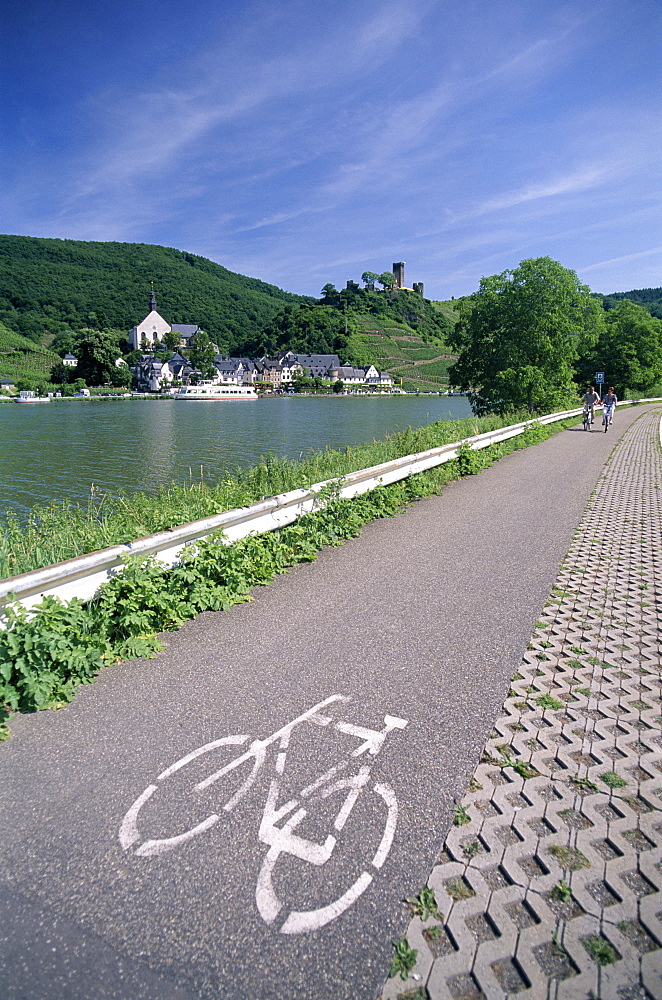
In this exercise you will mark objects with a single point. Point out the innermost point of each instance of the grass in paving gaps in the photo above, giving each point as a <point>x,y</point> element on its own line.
<point>583,783</point>
<point>600,950</point>
<point>570,858</point>
<point>612,780</point>
<point>458,889</point>
<point>548,701</point>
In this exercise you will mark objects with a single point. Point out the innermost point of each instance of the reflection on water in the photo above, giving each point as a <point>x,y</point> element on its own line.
<point>58,451</point>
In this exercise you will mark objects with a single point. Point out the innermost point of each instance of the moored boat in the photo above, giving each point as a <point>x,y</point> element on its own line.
<point>216,392</point>
<point>27,396</point>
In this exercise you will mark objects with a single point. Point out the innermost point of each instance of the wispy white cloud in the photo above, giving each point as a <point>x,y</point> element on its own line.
<point>148,131</point>
<point>572,183</point>
<point>654,251</point>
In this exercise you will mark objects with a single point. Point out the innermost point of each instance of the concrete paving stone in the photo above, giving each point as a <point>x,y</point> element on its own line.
<point>596,649</point>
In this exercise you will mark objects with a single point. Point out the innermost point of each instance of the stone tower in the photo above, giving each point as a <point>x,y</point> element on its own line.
<point>399,272</point>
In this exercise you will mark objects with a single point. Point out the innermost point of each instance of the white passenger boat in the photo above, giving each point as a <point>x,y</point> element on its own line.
<point>27,396</point>
<point>216,392</point>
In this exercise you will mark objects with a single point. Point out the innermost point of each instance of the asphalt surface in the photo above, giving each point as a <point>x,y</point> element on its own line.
<point>423,618</point>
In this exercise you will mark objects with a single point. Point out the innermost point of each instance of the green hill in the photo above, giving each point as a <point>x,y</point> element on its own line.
<point>398,331</point>
<point>21,358</point>
<point>51,288</point>
<point>414,363</point>
<point>448,308</point>
<point>649,298</point>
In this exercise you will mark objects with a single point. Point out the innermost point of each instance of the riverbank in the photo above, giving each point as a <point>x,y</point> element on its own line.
<point>48,650</point>
<point>125,446</point>
<point>62,530</point>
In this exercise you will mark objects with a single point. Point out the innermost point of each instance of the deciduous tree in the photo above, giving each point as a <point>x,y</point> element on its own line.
<point>202,355</point>
<point>519,335</point>
<point>172,340</point>
<point>628,350</point>
<point>59,374</point>
<point>97,352</point>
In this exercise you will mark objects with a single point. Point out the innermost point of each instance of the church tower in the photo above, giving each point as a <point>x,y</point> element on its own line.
<point>152,329</point>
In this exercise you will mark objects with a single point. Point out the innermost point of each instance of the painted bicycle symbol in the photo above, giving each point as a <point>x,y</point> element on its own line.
<point>279,821</point>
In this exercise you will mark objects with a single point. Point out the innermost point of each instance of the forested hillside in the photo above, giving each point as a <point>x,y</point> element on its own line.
<point>62,286</point>
<point>397,331</point>
<point>649,298</point>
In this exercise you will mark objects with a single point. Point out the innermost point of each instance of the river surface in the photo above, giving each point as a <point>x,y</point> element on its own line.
<point>56,451</point>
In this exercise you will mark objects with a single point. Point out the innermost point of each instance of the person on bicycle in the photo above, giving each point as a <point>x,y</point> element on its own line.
<point>589,399</point>
<point>610,399</point>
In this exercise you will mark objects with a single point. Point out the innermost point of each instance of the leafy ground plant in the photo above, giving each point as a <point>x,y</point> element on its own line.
<point>424,905</point>
<point>403,960</point>
<point>461,815</point>
<point>562,891</point>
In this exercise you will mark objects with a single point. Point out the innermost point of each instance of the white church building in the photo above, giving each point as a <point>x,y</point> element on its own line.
<point>154,328</point>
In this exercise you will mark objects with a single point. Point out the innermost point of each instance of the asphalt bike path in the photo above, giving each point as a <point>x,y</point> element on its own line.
<point>242,816</point>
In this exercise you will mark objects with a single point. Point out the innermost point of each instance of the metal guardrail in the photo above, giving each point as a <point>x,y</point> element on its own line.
<point>81,577</point>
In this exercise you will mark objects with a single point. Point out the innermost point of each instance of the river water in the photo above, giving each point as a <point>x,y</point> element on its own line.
<point>58,450</point>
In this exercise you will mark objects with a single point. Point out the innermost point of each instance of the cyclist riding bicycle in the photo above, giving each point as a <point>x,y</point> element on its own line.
<point>609,401</point>
<point>589,399</point>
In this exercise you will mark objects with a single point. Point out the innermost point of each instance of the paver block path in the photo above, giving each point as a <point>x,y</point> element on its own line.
<point>550,883</point>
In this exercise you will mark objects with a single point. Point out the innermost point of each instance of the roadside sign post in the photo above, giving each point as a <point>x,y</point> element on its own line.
<point>599,378</point>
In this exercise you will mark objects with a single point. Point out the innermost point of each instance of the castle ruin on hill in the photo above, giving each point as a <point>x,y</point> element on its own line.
<point>398,268</point>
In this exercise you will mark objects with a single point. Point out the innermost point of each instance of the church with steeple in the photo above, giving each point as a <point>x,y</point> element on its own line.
<point>154,328</point>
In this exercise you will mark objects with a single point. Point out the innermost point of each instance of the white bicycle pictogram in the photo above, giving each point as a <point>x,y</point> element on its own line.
<point>340,779</point>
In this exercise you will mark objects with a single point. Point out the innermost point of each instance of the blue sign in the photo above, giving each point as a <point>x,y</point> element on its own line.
<point>599,377</point>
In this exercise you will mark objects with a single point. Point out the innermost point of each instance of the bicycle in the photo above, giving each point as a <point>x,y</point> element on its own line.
<point>607,413</point>
<point>587,419</point>
<point>282,840</point>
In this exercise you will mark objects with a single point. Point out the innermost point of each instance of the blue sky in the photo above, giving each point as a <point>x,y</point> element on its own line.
<point>302,143</point>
